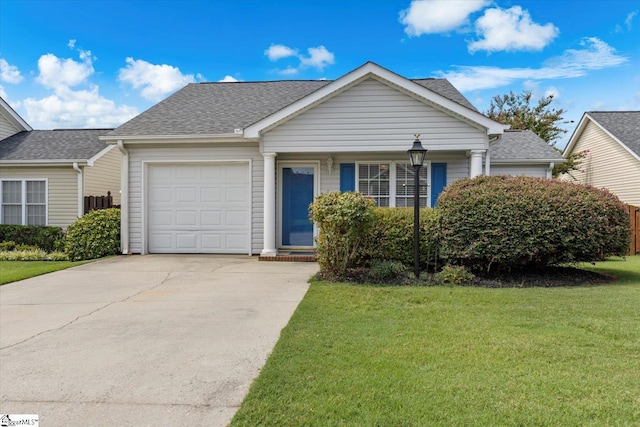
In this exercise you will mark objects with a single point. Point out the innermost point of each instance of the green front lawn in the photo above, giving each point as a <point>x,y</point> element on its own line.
<point>454,356</point>
<point>11,271</point>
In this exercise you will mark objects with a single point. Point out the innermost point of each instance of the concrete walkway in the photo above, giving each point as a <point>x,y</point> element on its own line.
<point>143,340</point>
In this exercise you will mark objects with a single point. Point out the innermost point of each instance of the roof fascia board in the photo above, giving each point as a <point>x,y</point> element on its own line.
<point>365,71</point>
<point>222,137</point>
<point>524,161</point>
<point>637,157</point>
<point>15,117</point>
<point>576,134</point>
<point>49,162</point>
<point>100,154</point>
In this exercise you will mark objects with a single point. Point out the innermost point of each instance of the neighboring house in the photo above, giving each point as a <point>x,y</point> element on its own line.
<point>232,167</point>
<point>10,121</point>
<point>612,142</point>
<point>45,174</point>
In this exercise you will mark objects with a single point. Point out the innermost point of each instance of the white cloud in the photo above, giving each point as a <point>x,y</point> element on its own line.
<point>3,94</point>
<point>594,55</point>
<point>289,71</point>
<point>9,73</point>
<point>628,22</point>
<point>319,57</point>
<point>228,79</point>
<point>76,109</point>
<point>438,16</point>
<point>56,72</point>
<point>511,30</point>
<point>279,51</point>
<point>68,107</point>
<point>155,81</point>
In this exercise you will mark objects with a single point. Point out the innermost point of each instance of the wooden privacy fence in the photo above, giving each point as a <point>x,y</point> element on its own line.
<point>634,216</point>
<point>93,203</point>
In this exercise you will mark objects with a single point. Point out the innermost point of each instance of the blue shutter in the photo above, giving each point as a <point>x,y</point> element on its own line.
<point>438,181</point>
<point>347,177</point>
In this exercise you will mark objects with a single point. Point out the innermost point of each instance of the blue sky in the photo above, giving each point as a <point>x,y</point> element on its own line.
<point>97,63</point>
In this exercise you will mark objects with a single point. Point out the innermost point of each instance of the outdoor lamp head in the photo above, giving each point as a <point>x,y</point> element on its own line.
<point>417,153</point>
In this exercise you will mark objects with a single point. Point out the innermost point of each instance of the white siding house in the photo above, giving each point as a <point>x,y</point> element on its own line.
<point>232,167</point>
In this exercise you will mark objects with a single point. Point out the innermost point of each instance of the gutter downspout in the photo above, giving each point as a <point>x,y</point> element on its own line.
<point>80,190</point>
<point>124,199</point>
<point>550,170</point>
<point>487,157</point>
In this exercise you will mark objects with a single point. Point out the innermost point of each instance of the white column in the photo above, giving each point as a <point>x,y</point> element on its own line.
<point>269,244</point>
<point>475,168</point>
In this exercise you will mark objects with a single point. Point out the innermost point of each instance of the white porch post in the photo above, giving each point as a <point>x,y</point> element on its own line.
<point>269,244</point>
<point>475,168</point>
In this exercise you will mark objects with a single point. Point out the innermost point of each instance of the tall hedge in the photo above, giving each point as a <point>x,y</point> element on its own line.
<point>94,235</point>
<point>391,236</point>
<point>502,222</point>
<point>46,238</point>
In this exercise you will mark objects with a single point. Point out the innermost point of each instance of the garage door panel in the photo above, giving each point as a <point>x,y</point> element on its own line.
<point>211,195</point>
<point>199,208</point>
<point>212,241</point>
<point>186,218</point>
<point>211,218</point>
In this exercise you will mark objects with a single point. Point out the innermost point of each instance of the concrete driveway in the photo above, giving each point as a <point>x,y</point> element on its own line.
<point>143,340</point>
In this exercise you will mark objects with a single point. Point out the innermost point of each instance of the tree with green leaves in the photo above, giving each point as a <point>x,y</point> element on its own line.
<point>542,119</point>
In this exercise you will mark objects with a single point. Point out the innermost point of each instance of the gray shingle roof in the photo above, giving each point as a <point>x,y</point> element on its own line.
<point>624,125</point>
<point>523,145</point>
<point>63,144</point>
<point>218,108</point>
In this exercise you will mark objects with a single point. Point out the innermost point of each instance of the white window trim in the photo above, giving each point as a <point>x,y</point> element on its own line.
<point>23,188</point>
<point>393,177</point>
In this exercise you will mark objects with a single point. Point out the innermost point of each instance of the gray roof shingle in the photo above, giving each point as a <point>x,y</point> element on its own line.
<point>62,144</point>
<point>523,145</point>
<point>222,107</point>
<point>624,125</point>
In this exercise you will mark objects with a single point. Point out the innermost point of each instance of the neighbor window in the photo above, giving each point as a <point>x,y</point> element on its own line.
<point>24,202</point>
<point>391,184</point>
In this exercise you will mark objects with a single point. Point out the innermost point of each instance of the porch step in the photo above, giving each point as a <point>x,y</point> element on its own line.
<point>291,257</point>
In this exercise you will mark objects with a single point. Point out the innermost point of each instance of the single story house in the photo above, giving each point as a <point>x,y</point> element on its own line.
<point>232,167</point>
<point>45,174</point>
<point>611,140</point>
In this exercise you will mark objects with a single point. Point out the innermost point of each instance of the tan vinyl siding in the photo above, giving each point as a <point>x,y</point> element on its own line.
<point>104,176</point>
<point>7,128</point>
<point>608,165</point>
<point>62,190</point>
<point>197,153</point>
<point>537,171</point>
<point>372,116</point>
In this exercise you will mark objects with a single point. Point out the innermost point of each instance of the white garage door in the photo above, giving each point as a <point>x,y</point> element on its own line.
<point>199,208</point>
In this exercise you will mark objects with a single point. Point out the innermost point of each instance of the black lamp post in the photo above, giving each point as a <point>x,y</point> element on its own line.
<point>416,156</point>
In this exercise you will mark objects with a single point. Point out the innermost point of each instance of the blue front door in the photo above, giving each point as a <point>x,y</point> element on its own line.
<point>297,195</point>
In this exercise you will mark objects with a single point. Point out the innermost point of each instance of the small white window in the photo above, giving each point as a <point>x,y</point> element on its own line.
<point>391,184</point>
<point>24,202</point>
<point>405,185</point>
<point>374,181</point>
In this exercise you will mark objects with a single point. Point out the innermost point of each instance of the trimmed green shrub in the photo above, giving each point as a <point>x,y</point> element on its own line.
<point>453,275</point>
<point>43,237</point>
<point>343,219</point>
<point>502,222</point>
<point>383,270</point>
<point>391,236</point>
<point>95,235</point>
